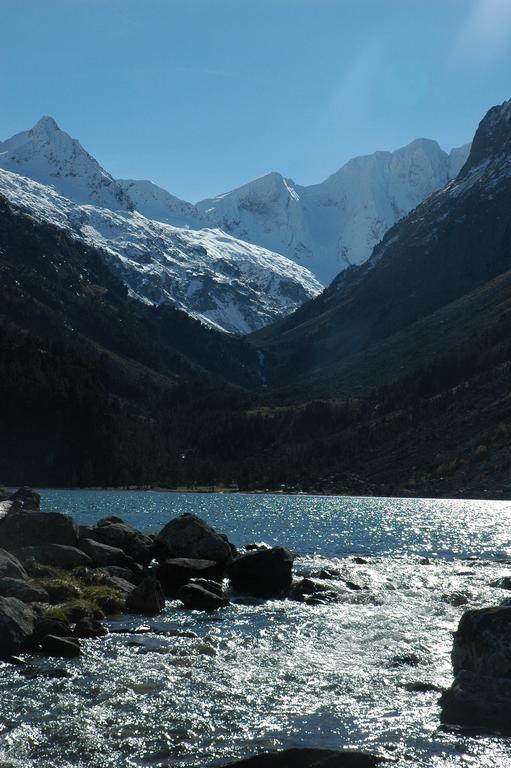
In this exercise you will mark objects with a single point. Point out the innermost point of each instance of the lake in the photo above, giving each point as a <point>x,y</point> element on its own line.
<point>263,675</point>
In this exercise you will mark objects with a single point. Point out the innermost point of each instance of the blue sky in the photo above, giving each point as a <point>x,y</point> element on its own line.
<point>203,95</point>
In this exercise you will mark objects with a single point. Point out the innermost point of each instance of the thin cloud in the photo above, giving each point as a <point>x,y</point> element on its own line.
<point>488,28</point>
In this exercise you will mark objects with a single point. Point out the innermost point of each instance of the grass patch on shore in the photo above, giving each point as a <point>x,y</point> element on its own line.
<point>80,597</point>
<point>73,611</point>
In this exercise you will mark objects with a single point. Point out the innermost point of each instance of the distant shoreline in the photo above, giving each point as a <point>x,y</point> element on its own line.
<point>486,495</point>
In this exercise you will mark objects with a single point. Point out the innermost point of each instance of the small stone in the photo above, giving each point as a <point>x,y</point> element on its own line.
<point>89,628</point>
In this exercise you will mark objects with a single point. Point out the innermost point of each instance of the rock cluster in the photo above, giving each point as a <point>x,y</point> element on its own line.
<point>57,578</point>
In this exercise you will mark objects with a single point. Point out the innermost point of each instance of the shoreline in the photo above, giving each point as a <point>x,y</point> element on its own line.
<point>462,495</point>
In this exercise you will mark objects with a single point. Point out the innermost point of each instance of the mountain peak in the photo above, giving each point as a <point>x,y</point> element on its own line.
<point>46,123</point>
<point>49,155</point>
<point>46,129</point>
<point>493,137</point>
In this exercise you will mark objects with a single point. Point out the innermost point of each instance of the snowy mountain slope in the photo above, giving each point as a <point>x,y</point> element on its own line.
<point>229,284</point>
<point>323,227</point>
<point>156,203</point>
<point>329,226</point>
<point>50,156</point>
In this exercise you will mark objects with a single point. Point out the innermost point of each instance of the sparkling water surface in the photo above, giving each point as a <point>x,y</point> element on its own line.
<point>265,675</point>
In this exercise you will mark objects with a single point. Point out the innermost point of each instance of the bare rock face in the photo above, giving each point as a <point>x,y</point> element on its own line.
<point>480,696</point>
<point>189,536</point>
<point>16,625</point>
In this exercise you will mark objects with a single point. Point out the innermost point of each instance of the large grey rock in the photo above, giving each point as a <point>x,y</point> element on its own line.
<point>262,573</point>
<point>11,566</point>
<point>309,758</point>
<point>116,533</point>
<point>147,599</point>
<point>58,555</point>
<point>189,536</point>
<point>22,590</point>
<point>196,598</point>
<point>26,529</point>
<point>175,572</point>
<point>480,696</point>
<point>103,554</point>
<point>16,625</point>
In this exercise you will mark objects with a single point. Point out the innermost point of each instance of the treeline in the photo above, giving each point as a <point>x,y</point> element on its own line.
<point>64,421</point>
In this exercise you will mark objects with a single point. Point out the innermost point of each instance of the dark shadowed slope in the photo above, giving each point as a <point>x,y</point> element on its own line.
<point>54,286</point>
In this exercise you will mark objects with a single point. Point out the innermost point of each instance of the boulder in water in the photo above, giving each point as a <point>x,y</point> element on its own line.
<point>175,572</point>
<point>89,628</point>
<point>196,598</point>
<point>262,573</point>
<point>147,599</point>
<point>480,696</point>
<point>190,537</point>
<point>68,647</point>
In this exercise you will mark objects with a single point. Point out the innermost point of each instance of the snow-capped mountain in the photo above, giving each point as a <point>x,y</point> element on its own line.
<point>229,284</point>
<point>48,155</point>
<point>232,285</point>
<point>238,261</point>
<point>330,226</point>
